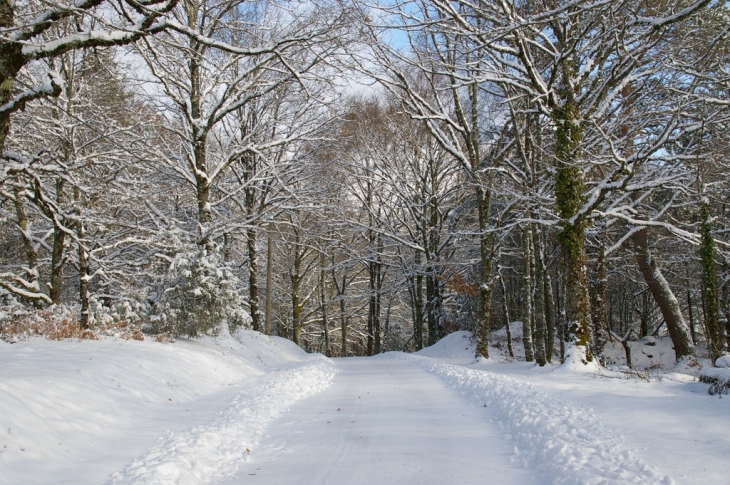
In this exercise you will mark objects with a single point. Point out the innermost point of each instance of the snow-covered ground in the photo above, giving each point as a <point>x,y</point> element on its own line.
<point>76,412</point>
<point>668,423</point>
<point>256,409</point>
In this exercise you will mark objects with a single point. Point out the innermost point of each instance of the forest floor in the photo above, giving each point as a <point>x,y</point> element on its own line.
<point>259,410</point>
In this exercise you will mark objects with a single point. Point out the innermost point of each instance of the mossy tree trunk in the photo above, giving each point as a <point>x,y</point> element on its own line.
<point>716,337</point>
<point>569,188</point>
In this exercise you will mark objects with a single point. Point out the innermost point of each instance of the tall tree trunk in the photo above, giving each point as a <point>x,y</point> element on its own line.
<point>527,294</point>
<point>378,299</point>
<point>539,313</point>
<point>253,285</point>
<point>57,264</point>
<point>432,306</point>
<point>569,187</point>
<point>561,314</point>
<point>505,309</point>
<point>269,278</point>
<point>716,340</point>
<point>84,322</point>
<point>323,303</point>
<point>414,286</point>
<point>549,318</point>
<point>11,61</point>
<point>663,296</point>
<point>343,326</point>
<point>598,303</point>
<point>295,277</point>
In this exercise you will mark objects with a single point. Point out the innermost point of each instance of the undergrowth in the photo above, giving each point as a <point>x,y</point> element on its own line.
<point>19,323</point>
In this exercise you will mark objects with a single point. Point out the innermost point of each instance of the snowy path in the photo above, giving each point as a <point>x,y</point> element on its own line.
<point>383,420</point>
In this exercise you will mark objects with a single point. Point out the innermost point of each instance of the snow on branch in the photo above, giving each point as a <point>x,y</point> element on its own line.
<point>659,22</point>
<point>52,87</point>
<point>23,288</point>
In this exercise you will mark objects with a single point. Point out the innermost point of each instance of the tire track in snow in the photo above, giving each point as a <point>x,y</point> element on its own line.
<point>566,443</point>
<point>213,452</point>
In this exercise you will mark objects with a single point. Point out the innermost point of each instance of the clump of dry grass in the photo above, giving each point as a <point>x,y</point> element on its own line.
<point>718,384</point>
<point>19,323</point>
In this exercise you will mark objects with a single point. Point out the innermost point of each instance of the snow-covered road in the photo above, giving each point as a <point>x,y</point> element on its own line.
<point>384,420</point>
<point>256,409</point>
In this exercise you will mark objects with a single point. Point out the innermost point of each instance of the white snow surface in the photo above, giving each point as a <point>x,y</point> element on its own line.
<point>212,452</point>
<point>568,444</point>
<point>75,412</point>
<point>254,409</point>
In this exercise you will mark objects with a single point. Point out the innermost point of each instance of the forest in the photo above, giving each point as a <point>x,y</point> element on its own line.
<point>360,177</point>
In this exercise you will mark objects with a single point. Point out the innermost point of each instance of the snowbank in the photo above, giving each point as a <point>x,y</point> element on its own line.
<point>456,347</point>
<point>77,411</point>
<point>214,451</point>
<point>567,443</point>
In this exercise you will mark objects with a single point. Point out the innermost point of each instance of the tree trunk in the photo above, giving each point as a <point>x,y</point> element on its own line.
<point>716,337</point>
<point>549,318</point>
<point>11,60</point>
<point>527,294</point>
<point>539,296</point>
<point>295,277</point>
<point>57,264</point>
<point>253,285</point>
<point>416,291</point>
<point>569,188</point>
<point>83,279</point>
<point>343,326</point>
<point>269,282</point>
<point>31,282</point>
<point>663,296</point>
<point>598,303</point>
<point>505,309</point>
<point>486,252</point>
<point>323,303</point>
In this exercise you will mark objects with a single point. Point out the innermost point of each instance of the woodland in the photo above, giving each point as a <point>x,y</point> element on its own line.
<point>360,177</point>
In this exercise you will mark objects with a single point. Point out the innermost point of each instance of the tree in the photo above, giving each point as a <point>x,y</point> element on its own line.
<point>31,33</point>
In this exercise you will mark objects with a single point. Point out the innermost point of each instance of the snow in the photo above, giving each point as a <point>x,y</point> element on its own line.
<point>666,421</point>
<point>258,409</point>
<point>562,440</point>
<point>75,412</point>
<point>212,452</point>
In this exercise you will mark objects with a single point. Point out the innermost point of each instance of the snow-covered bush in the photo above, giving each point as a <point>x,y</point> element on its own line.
<point>200,294</point>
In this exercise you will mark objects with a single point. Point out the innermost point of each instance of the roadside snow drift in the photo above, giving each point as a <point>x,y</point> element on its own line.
<point>212,452</point>
<point>76,412</point>
<point>566,443</point>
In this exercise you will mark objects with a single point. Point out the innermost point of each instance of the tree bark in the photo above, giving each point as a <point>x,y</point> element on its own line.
<point>539,311</point>
<point>598,303</point>
<point>505,309</point>
<point>569,187</point>
<point>323,303</point>
<point>527,294</point>
<point>269,280</point>
<point>716,340</point>
<point>253,285</point>
<point>663,296</point>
